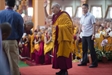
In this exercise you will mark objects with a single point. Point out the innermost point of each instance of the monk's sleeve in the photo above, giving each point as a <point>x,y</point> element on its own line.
<point>65,27</point>
<point>65,35</point>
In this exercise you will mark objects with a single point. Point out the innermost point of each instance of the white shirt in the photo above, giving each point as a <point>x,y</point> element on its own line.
<point>80,35</point>
<point>110,34</point>
<point>87,22</point>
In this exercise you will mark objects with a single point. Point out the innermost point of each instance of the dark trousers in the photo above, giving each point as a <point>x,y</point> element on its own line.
<point>88,43</point>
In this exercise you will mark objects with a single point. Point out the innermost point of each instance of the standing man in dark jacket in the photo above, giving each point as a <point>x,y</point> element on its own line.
<point>16,22</point>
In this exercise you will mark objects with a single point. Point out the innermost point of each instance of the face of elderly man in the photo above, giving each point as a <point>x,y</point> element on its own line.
<point>55,8</point>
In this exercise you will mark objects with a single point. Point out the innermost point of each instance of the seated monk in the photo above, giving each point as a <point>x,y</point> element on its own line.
<point>48,46</point>
<point>39,49</point>
<point>97,36</point>
<point>102,33</point>
<point>108,46</point>
<point>26,48</point>
<point>35,44</point>
<point>28,30</point>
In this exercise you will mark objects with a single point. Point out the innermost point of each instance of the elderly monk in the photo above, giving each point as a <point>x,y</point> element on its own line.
<point>63,39</point>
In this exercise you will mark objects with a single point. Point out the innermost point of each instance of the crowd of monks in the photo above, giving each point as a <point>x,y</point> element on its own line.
<point>38,45</point>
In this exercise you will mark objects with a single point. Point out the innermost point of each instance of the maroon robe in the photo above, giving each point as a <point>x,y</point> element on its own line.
<point>38,56</point>
<point>60,62</point>
<point>47,55</point>
<point>25,51</point>
<point>48,58</point>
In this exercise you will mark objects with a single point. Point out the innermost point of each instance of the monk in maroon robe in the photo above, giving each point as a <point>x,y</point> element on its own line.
<point>63,39</point>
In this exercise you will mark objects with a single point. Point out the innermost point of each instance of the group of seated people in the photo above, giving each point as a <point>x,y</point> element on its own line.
<point>103,36</point>
<point>38,46</point>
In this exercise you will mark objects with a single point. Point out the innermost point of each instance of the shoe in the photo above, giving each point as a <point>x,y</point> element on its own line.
<point>82,64</point>
<point>93,66</point>
<point>59,73</point>
<point>20,74</point>
<point>65,73</point>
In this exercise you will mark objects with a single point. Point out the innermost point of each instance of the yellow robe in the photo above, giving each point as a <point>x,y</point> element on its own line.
<point>74,34</point>
<point>31,43</point>
<point>37,46</point>
<point>48,47</point>
<point>75,30</point>
<point>108,47</point>
<point>78,54</point>
<point>99,40</point>
<point>65,35</point>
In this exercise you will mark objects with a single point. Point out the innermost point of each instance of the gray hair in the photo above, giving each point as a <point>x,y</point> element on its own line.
<point>29,23</point>
<point>56,5</point>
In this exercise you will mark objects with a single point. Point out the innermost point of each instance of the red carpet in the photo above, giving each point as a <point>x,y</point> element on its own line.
<point>102,69</point>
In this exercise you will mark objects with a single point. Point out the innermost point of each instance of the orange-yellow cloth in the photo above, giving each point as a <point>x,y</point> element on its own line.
<point>78,52</point>
<point>75,30</point>
<point>31,43</point>
<point>108,47</point>
<point>42,37</point>
<point>48,47</point>
<point>37,47</point>
<point>65,35</point>
<point>99,40</point>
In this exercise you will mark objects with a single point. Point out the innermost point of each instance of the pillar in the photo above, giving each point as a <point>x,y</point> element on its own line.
<point>38,13</point>
<point>2,4</point>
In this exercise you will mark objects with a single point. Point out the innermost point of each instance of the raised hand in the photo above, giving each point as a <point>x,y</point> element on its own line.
<point>45,4</point>
<point>48,22</point>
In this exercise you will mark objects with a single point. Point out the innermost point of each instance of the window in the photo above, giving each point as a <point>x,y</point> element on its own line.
<point>109,14</point>
<point>69,11</point>
<point>96,11</point>
<point>22,14</point>
<point>30,11</point>
<point>79,12</point>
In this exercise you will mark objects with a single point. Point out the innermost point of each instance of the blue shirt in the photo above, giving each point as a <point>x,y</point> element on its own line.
<point>87,21</point>
<point>16,22</point>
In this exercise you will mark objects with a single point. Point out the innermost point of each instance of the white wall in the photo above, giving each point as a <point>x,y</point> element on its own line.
<point>76,3</point>
<point>66,3</point>
<point>103,3</point>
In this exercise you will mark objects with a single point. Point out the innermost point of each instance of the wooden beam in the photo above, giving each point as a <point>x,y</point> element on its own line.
<point>107,10</point>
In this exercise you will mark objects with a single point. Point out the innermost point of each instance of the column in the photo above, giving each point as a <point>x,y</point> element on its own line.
<point>2,4</point>
<point>38,13</point>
